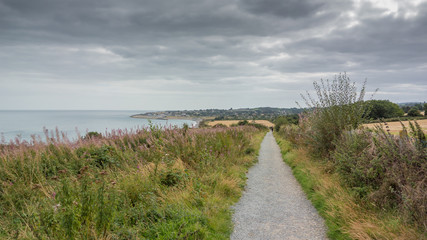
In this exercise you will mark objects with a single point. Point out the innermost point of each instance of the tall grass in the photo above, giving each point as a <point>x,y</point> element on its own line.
<point>147,184</point>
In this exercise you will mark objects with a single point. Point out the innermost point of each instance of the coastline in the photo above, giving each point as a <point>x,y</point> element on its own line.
<point>195,119</point>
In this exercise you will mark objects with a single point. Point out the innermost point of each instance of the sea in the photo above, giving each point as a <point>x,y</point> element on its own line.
<point>23,124</point>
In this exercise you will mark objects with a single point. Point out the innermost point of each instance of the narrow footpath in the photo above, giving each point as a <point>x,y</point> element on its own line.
<point>273,205</point>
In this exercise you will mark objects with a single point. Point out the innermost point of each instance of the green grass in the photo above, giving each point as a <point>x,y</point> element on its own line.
<point>152,184</point>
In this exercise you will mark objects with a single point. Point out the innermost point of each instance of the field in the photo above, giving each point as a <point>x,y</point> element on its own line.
<point>230,122</point>
<point>396,127</point>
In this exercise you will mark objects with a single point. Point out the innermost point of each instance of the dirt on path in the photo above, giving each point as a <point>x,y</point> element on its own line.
<point>273,205</point>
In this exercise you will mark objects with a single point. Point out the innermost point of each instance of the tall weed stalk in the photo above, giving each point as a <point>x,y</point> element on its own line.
<point>338,107</point>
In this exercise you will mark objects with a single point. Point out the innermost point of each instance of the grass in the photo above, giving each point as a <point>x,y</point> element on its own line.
<point>346,215</point>
<point>150,184</point>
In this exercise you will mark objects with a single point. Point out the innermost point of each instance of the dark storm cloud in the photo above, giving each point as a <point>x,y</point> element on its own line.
<point>211,48</point>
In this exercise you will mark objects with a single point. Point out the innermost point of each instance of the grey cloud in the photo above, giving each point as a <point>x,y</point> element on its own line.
<point>281,8</point>
<point>210,48</point>
<point>379,42</point>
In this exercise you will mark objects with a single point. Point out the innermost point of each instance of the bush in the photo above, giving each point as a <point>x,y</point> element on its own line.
<point>386,169</point>
<point>292,133</point>
<point>243,123</point>
<point>357,163</point>
<point>414,112</point>
<point>285,120</point>
<point>339,107</point>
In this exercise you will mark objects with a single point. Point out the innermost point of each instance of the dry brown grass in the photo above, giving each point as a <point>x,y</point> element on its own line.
<point>230,122</point>
<point>395,127</point>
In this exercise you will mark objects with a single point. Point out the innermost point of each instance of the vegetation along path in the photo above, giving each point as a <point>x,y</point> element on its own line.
<point>273,205</point>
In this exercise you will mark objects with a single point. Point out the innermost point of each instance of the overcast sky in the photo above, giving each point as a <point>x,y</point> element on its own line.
<point>197,54</point>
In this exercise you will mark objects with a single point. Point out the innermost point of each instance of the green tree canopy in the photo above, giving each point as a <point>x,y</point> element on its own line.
<point>414,112</point>
<point>383,109</point>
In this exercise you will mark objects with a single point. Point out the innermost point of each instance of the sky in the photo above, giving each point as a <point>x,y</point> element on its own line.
<point>199,54</point>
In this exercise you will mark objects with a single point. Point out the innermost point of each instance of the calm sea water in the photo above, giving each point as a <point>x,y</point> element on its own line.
<point>23,124</point>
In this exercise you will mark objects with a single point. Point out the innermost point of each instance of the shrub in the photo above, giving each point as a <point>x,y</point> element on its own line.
<point>339,107</point>
<point>292,133</point>
<point>285,120</point>
<point>386,169</point>
<point>414,112</point>
<point>243,122</point>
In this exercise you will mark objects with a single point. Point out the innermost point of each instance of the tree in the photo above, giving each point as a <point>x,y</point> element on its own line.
<point>405,108</point>
<point>414,112</point>
<point>419,106</point>
<point>425,108</point>
<point>383,109</point>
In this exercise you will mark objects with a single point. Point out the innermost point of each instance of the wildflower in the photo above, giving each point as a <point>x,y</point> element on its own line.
<point>53,195</point>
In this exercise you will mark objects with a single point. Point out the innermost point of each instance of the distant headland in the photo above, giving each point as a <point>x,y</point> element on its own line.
<point>266,113</point>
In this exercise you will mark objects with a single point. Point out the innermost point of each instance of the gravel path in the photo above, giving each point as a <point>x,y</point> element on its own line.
<point>273,205</point>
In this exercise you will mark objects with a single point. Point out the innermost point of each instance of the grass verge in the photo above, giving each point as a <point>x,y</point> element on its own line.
<point>346,216</point>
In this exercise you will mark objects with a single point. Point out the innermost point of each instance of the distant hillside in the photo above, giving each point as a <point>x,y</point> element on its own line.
<point>267,113</point>
<point>409,104</point>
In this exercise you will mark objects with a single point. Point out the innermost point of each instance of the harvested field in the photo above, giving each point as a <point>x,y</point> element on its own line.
<point>395,127</point>
<point>230,122</point>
